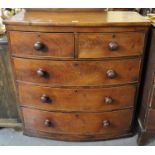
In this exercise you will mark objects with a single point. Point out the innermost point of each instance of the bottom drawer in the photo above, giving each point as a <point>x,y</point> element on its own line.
<point>77,123</point>
<point>151,120</point>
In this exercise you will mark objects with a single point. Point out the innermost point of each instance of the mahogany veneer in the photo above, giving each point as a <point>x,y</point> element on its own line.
<point>77,71</point>
<point>77,99</point>
<point>54,45</point>
<point>97,45</point>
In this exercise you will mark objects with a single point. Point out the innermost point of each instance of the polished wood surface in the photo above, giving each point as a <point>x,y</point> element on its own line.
<point>77,73</point>
<point>79,137</point>
<point>75,29</point>
<point>54,45</point>
<point>61,45</point>
<point>77,123</point>
<point>92,18</point>
<point>76,99</point>
<point>98,45</point>
<point>85,86</point>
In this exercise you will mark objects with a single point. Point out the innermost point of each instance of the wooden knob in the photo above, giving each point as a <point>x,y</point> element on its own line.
<point>113,46</point>
<point>45,99</point>
<point>41,73</point>
<point>111,74</point>
<point>108,100</point>
<point>106,123</point>
<point>48,123</point>
<point>38,46</point>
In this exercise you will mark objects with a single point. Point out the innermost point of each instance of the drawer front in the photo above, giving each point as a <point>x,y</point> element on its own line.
<point>151,120</point>
<point>77,73</point>
<point>26,44</point>
<point>100,45</point>
<point>88,99</point>
<point>152,103</point>
<point>81,123</point>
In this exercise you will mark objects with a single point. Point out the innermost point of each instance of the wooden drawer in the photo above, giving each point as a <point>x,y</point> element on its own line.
<point>100,45</point>
<point>77,73</point>
<point>56,45</point>
<point>80,123</point>
<point>151,120</point>
<point>71,99</point>
<point>152,102</point>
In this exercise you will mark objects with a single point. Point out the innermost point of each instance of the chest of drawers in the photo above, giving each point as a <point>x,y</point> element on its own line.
<point>147,111</point>
<point>77,71</point>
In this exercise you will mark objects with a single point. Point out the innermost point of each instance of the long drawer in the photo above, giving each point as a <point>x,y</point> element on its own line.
<point>79,123</point>
<point>77,73</point>
<point>76,99</point>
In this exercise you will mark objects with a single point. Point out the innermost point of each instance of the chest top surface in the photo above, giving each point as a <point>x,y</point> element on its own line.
<point>77,17</point>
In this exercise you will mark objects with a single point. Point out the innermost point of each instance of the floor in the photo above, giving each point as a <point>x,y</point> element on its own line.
<point>10,137</point>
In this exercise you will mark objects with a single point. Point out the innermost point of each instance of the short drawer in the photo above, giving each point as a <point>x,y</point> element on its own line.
<point>28,44</point>
<point>76,99</point>
<point>152,102</point>
<point>151,120</point>
<point>77,73</point>
<point>102,45</point>
<point>79,123</point>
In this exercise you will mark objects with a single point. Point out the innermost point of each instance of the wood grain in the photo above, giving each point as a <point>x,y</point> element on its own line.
<point>79,137</point>
<point>80,123</point>
<point>70,29</point>
<point>77,99</point>
<point>76,79</point>
<point>77,73</point>
<point>95,45</point>
<point>56,45</point>
<point>98,18</point>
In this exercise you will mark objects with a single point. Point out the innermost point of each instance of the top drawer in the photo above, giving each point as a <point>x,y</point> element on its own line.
<point>100,45</point>
<point>56,45</point>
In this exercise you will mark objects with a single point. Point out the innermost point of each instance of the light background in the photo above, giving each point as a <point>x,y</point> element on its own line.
<point>77,3</point>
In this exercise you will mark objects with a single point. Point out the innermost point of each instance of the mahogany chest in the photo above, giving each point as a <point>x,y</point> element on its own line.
<point>77,71</point>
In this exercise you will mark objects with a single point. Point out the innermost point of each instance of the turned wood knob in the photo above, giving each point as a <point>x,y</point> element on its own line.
<point>108,100</point>
<point>113,46</point>
<point>48,123</point>
<point>38,45</point>
<point>106,123</point>
<point>111,74</point>
<point>45,99</point>
<point>41,73</point>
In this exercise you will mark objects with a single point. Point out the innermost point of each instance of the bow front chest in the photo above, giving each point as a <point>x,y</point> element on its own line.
<point>77,71</point>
